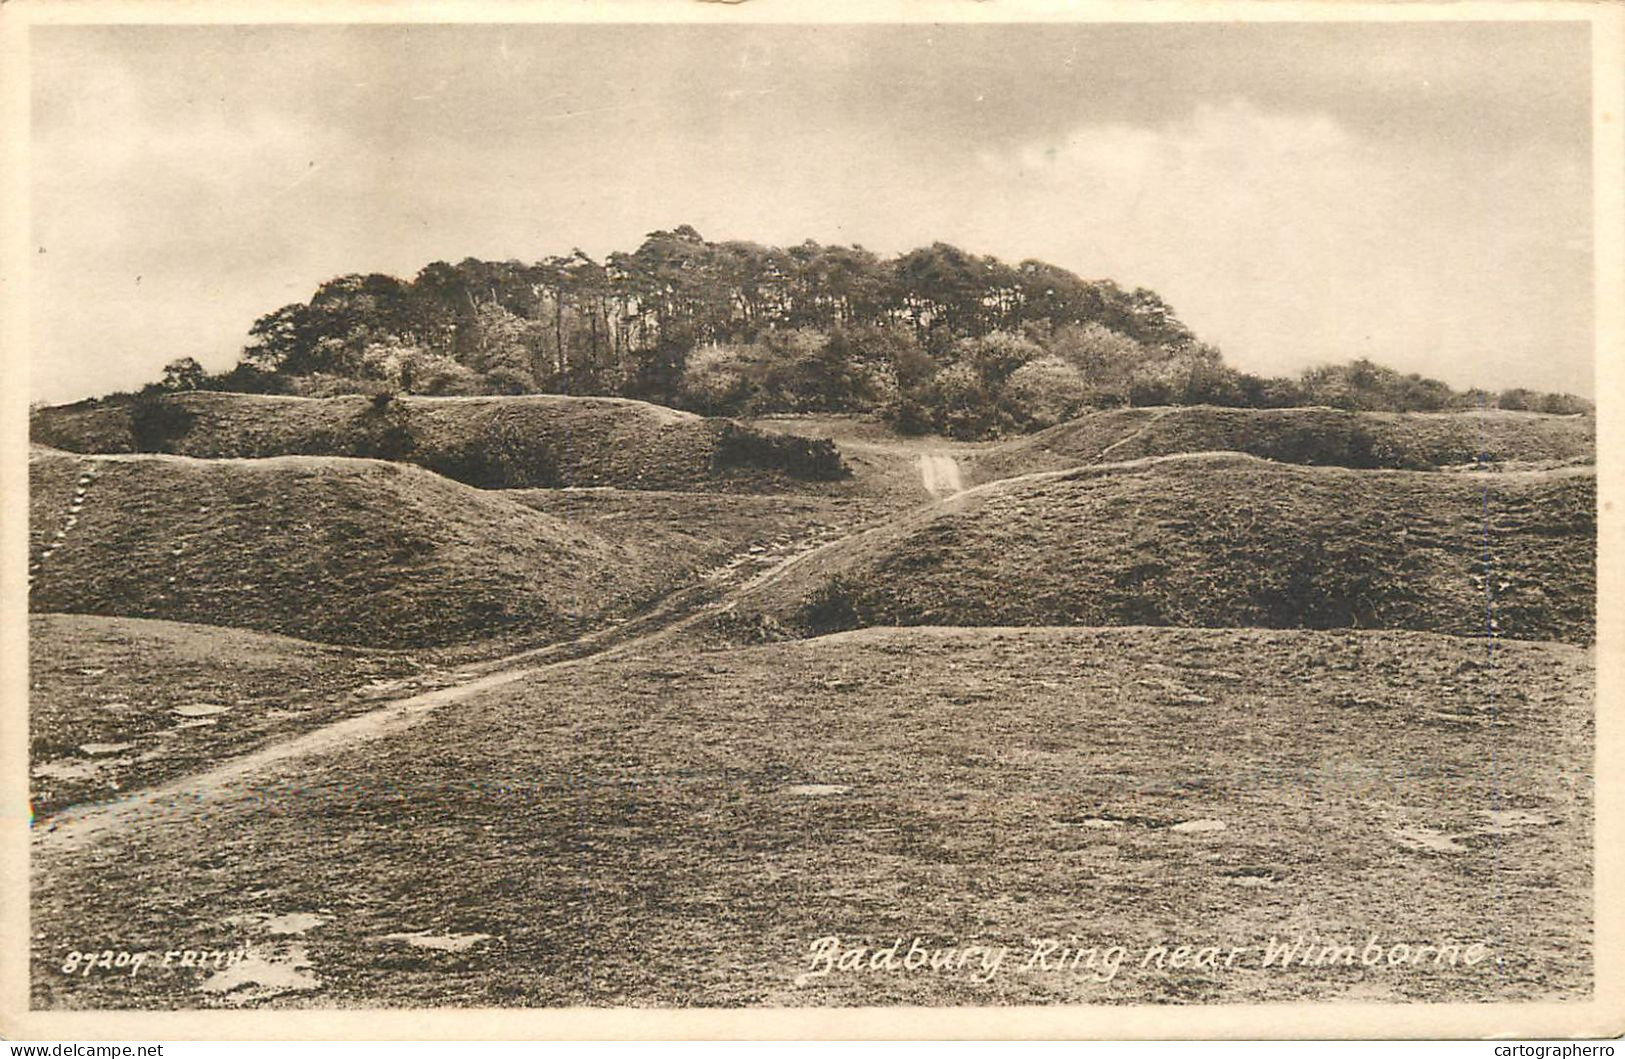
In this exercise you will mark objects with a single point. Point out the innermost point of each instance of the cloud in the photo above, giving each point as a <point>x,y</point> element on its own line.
<point>1203,182</point>
<point>1290,239</point>
<point>1235,136</point>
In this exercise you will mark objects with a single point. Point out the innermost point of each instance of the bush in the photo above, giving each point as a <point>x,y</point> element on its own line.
<point>504,455</point>
<point>383,430</point>
<point>812,459</point>
<point>966,407</point>
<point>1047,390</point>
<point>714,379</point>
<point>156,424</point>
<point>1565,404</point>
<point>832,608</point>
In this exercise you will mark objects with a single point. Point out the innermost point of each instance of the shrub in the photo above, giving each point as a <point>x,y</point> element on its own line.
<point>1565,404</point>
<point>504,455</point>
<point>383,431</point>
<point>812,459</point>
<point>714,378</point>
<point>156,424</point>
<point>832,608</point>
<point>966,407</point>
<point>1047,390</point>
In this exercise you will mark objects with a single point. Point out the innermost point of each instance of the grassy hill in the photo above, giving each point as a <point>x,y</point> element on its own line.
<point>1319,436</point>
<point>1216,540</point>
<point>327,549</point>
<point>494,442</point>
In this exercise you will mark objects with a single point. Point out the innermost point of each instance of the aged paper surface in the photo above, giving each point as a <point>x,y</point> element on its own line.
<point>956,835</point>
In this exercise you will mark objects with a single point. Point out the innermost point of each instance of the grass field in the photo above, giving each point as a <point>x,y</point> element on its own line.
<point>537,440</point>
<point>112,685</point>
<point>1215,541</point>
<point>1064,713</point>
<point>677,826</point>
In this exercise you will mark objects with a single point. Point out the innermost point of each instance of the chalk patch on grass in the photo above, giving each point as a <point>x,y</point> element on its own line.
<point>425,939</point>
<point>69,769</point>
<point>200,709</point>
<point>1197,827</point>
<point>283,923</point>
<point>104,749</point>
<point>293,923</point>
<point>1503,821</point>
<point>263,974</point>
<point>1423,840</point>
<point>817,790</point>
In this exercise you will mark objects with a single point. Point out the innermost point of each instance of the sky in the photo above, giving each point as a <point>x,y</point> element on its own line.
<point>1416,193</point>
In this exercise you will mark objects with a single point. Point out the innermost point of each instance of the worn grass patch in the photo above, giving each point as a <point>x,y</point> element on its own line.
<point>884,464</point>
<point>1215,541</point>
<point>678,826</point>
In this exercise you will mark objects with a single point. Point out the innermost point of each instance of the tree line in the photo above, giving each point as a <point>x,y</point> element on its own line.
<point>936,339</point>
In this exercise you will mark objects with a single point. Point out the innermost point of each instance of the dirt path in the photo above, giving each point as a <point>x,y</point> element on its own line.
<point>941,476</point>
<point>81,490</point>
<point>1120,442</point>
<point>79,826</point>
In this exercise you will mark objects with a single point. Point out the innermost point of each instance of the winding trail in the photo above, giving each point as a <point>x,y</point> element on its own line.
<point>76,827</point>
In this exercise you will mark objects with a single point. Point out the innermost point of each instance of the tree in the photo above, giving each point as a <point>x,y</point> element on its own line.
<point>279,340</point>
<point>715,378</point>
<point>935,338</point>
<point>1046,390</point>
<point>184,373</point>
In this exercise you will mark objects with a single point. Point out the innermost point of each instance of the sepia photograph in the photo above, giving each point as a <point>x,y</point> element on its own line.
<point>749,510</point>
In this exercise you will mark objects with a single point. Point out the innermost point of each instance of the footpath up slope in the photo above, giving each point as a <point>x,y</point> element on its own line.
<point>1215,540</point>
<point>1315,436</point>
<point>539,440</point>
<point>333,550</point>
<point>107,707</point>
